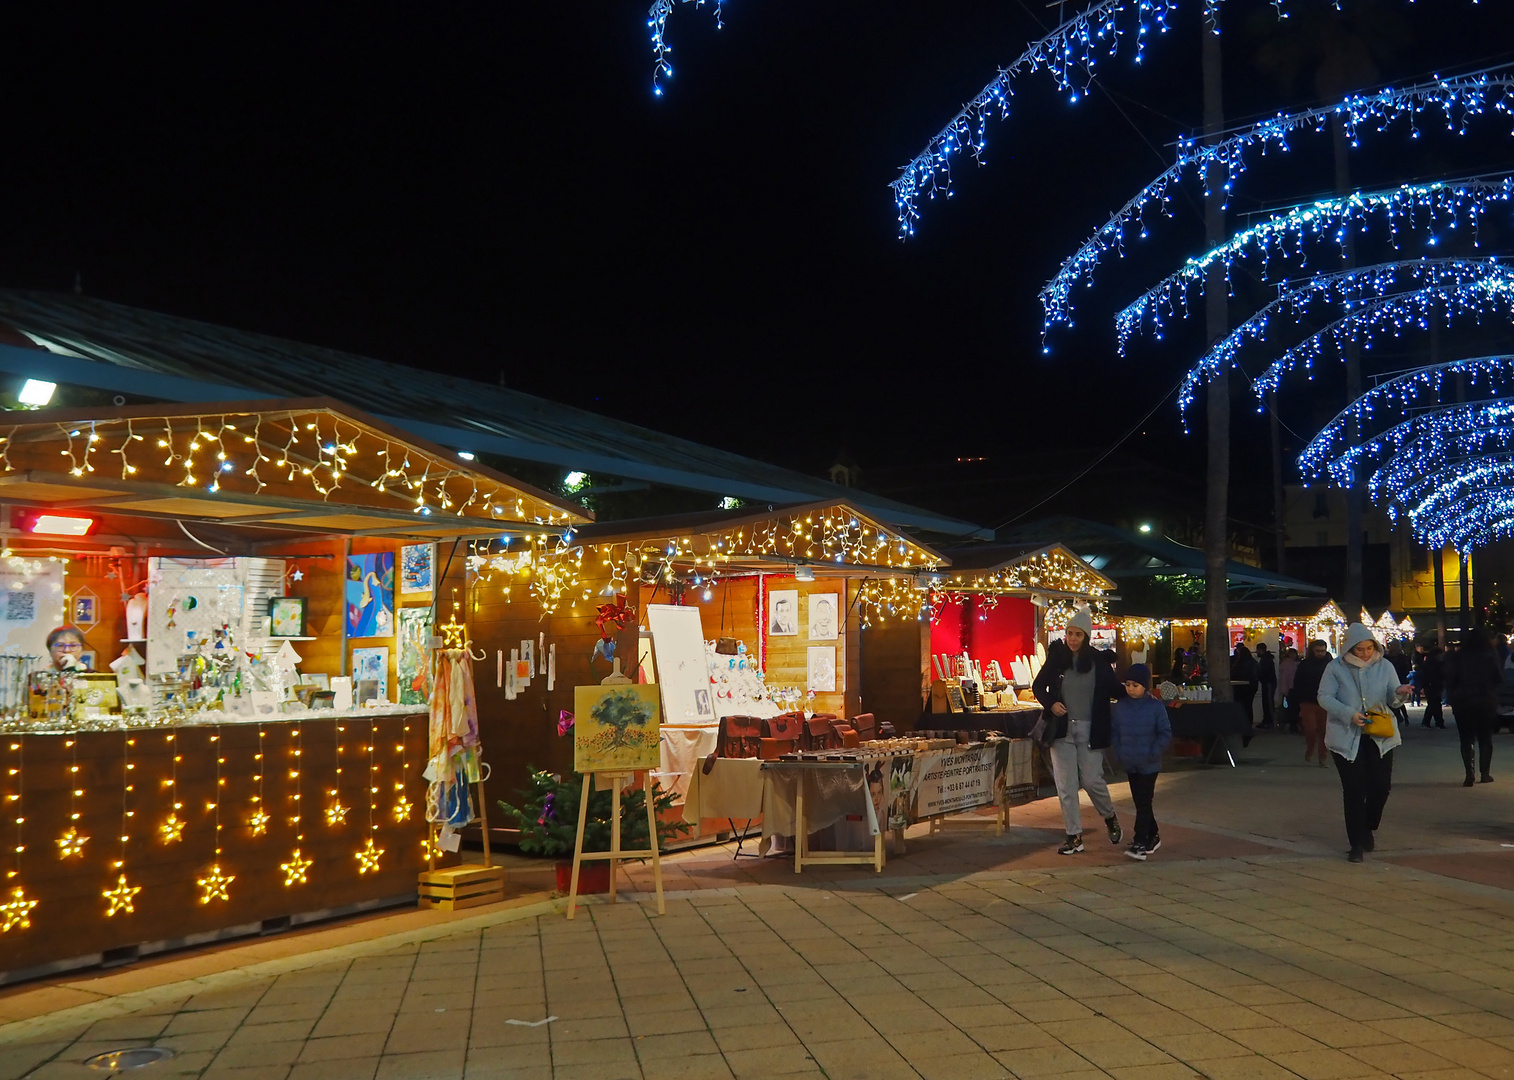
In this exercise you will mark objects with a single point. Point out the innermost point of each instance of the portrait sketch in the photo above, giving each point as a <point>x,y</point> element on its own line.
<point>825,616</point>
<point>783,613</point>
<point>822,669</point>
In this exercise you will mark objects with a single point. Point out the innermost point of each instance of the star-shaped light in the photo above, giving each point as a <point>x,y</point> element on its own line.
<point>120,897</point>
<point>258,823</point>
<point>213,884</point>
<point>71,843</point>
<point>368,858</point>
<point>402,809</point>
<point>16,911</point>
<point>297,574</point>
<point>294,869</point>
<point>172,829</point>
<point>336,813</point>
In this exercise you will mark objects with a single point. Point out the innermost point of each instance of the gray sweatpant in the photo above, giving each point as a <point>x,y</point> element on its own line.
<point>1074,765</point>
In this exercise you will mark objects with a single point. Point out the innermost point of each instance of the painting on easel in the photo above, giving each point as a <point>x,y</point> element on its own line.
<point>615,727</point>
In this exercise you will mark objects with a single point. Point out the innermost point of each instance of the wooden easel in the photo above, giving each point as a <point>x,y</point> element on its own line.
<point>616,782</point>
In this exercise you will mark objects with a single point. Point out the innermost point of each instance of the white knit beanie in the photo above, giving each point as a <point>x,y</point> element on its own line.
<point>1083,620</point>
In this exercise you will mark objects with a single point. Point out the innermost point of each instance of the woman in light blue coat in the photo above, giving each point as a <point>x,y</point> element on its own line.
<point>1355,683</point>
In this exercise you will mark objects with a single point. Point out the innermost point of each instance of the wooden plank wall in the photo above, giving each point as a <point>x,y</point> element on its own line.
<point>895,671</point>
<point>787,659</point>
<point>70,919</point>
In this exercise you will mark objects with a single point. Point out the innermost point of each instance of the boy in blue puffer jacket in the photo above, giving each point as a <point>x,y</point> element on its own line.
<point>1138,733</point>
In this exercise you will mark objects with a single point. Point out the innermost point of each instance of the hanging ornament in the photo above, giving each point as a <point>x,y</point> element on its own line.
<point>172,829</point>
<point>71,843</point>
<point>16,912</point>
<point>213,884</point>
<point>336,814</point>
<point>121,897</point>
<point>368,858</point>
<point>258,823</point>
<point>296,868</point>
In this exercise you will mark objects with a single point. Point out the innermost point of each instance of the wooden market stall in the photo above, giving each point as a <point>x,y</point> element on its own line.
<point>254,571</point>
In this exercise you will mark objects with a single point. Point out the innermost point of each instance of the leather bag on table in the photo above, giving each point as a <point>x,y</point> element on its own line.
<point>819,735</point>
<point>739,737</point>
<point>783,726</point>
<point>866,726</point>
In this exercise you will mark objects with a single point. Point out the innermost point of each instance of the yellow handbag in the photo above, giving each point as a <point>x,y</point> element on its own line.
<point>1380,723</point>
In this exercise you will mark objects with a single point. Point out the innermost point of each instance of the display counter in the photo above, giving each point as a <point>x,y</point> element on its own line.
<point>140,838</point>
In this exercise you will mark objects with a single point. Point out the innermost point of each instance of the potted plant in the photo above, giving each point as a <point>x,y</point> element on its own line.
<point>548,821</point>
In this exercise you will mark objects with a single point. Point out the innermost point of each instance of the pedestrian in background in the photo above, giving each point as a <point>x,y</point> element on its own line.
<point>1474,677</point>
<point>1359,683</point>
<point>1432,674</point>
<point>1075,687</point>
<point>1244,679</point>
<point>1311,716</point>
<point>1266,673</point>
<point>1400,661</point>
<point>1139,732</point>
<point>1287,668</point>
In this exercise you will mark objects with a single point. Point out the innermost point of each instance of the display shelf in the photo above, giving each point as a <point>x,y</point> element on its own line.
<point>277,637</point>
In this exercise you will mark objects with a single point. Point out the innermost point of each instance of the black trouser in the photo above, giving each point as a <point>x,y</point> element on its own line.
<point>1143,786</point>
<point>1269,691</point>
<point>1365,784</point>
<point>1478,724</point>
<point>1246,695</point>
<point>1433,714</point>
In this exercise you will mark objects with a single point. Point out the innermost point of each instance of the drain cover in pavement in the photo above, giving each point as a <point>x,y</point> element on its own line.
<point>135,1058</point>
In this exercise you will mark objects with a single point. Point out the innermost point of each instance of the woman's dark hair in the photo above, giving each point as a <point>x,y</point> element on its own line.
<point>1083,658</point>
<point>52,638</point>
<point>1477,640</point>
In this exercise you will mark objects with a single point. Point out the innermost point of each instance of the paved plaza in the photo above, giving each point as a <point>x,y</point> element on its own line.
<point>1246,948</point>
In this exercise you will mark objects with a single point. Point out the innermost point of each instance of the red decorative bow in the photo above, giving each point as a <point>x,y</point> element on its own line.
<point>616,614</point>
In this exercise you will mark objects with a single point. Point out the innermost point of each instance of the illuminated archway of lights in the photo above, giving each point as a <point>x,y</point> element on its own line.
<point>1393,315</point>
<point>1356,290</point>
<point>1444,206</point>
<point>1446,467</point>
<point>1457,101</point>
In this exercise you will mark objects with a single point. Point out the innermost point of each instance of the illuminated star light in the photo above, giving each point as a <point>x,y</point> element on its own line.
<point>16,912</point>
<point>258,823</point>
<point>121,897</point>
<point>172,829</point>
<point>368,858</point>
<point>402,809</point>
<point>71,843</point>
<point>295,868</point>
<point>213,884</point>
<point>336,813</point>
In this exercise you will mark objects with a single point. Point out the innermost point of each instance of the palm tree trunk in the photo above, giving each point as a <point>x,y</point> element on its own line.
<point>1217,494</point>
<point>1438,565</point>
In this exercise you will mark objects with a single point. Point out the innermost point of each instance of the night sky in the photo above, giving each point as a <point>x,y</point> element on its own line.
<point>490,189</point>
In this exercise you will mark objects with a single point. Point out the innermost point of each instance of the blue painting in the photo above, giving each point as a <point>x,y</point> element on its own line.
<point>369,595</point>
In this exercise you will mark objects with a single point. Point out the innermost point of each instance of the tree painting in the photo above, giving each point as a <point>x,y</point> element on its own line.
<point>616,728</point>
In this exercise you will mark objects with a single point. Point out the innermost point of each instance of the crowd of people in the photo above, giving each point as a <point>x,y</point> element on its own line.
<point>1350,710</point>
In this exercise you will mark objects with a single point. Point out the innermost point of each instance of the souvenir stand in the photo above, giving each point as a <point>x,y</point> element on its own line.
<point>731,613</point>
<point>254,587</point>
<point>992,615</point>
<point>1278,623</point>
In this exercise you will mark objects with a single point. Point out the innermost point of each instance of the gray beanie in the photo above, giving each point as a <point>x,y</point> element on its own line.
<point>1083,620</point>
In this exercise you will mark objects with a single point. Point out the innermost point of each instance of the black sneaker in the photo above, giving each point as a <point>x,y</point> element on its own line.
<point>1152,844</point>
<point>1136,851</point>
<point>1355,855</point>
<point>1072,846</point>
<point>1116,834</point>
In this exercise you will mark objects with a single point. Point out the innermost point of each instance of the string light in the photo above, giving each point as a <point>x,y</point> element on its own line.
<point>296,869</point>
<point>120,898</point>
<point>402,805</point>
<point>71,843</point>
<point>214,884</point>
<point>172,829</point>
<point>336,813</point>
<point>1441,206</point>
<point>657,21</point>
<point>1363,292</point>
<point>15,913</point>
<point>368,858</point>
<point>259,820</point>
<point>1459,101</point>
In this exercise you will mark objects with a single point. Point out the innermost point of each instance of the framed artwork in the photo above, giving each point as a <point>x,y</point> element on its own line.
<point>32,602</point>
<point>616,727</point>
<point>369,595</point>
<point>783,613</point>
<point>417,567</point>
<point>372,665</point>
<point>414,635</point>
<point>286,616</point>
<point>822,668</point>
<point>84,609</point>
<point>825,616</point>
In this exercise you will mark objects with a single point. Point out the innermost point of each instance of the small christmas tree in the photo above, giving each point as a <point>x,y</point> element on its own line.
<point>548,816</point>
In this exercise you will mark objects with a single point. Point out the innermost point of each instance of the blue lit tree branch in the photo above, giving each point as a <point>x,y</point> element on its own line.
<point>1350,288</point>
<point>1392,316</point>
<point>1457,102</point>
<point>657,22</point>
<point>1448,468</point>
<point>1445,205</point>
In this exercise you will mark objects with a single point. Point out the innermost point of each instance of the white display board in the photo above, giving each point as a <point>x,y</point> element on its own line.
<point>189,600</point>
<point>683,672</point>
<point>31,604</point>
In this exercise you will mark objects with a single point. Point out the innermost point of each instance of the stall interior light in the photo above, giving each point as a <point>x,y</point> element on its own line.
<point>36,392</point>
<point>61,525</point>
<point>804,573</point>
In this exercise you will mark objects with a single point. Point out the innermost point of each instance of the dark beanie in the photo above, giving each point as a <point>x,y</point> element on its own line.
<point>1139,673</point>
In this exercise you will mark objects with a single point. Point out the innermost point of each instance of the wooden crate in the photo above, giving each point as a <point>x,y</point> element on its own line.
<point>461,887</point>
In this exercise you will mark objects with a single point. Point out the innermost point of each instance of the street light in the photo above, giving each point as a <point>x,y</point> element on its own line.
<point>1145,527</point>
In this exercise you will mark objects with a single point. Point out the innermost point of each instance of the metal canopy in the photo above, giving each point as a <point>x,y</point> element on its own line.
<point>307,465</point>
